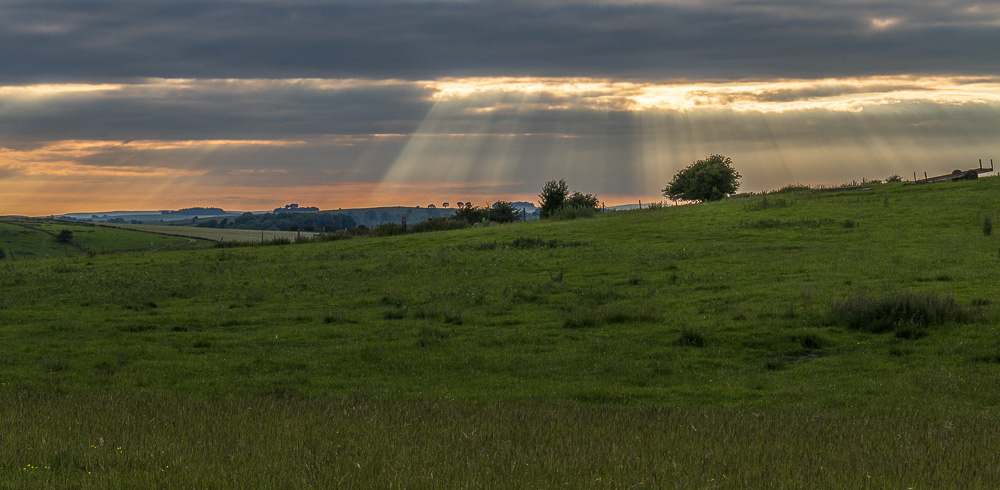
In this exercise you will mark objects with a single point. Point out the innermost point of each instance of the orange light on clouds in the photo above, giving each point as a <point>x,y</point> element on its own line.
<point>765,96</point>
<point>881,24</point>
<point>476,140</point>
<point>52,89</point>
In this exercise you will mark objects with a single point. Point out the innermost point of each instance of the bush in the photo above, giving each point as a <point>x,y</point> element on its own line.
<point>556,199</point>
<point>471,214</point>
<point>502,212</point>
<point>573,212</point>
<point>334,236</point>
<point>901,312</point>
<point>579,200</point>
<point>709,179</point>
<point>65,236</point>
<point>691,338</point>
<point>793,188</point>
<point>387,229</point>
<point>439,224</point>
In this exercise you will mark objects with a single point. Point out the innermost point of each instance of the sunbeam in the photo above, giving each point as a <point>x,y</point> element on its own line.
<point>479,139</point>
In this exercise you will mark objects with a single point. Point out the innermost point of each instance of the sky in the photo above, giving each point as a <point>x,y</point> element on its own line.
<point>110,105</point>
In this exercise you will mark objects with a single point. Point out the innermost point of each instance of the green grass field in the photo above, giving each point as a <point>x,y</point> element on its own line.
<point>36,238</point>
<point>798,339</point>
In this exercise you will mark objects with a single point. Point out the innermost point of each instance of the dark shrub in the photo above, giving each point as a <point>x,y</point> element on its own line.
<point>691,338</point>
<point>388,229</point>
<point>898,311</point>
<point>810,341</point>
<point>439,224</point>
<point>573,212</point>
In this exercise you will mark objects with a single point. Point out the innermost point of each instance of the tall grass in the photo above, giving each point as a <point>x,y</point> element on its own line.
<point>128,441</point>
<point>899,311</point>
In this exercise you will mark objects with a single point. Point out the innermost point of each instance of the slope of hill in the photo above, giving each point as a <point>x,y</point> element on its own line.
<point>24,238</point>
<point>859,328</point>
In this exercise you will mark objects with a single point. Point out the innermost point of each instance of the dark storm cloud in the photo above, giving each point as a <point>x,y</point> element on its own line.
<point>108,39</point>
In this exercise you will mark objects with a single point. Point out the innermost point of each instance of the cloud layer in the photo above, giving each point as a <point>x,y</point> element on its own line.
<point>379,39</point>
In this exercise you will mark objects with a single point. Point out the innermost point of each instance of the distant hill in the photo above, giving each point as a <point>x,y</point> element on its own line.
<point>362,216</point>
<point>195,212</point>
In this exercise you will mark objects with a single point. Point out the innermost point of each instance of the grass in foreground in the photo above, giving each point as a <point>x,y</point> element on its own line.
<point>114,441</point>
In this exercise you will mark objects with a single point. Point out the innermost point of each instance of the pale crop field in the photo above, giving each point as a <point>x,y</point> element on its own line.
<point>218,234</point>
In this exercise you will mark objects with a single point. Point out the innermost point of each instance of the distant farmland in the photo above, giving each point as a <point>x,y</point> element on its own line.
<point>215,234</point>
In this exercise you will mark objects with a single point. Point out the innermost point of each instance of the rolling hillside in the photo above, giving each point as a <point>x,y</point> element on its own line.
<point>23,238</point>
<point>865,317</point>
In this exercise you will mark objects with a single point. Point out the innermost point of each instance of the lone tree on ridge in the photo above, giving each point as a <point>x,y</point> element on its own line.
<point>708,179</point>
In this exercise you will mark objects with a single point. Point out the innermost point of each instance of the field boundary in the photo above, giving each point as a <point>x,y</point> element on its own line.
<point>214,234</point>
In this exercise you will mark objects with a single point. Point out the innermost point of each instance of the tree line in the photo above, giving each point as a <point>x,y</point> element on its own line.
<point>283,221</point>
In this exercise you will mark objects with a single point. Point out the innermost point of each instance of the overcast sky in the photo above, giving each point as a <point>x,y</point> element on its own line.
<point>252,104</point>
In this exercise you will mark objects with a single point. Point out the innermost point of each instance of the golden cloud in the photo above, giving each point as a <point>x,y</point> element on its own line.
<point>62,158</point>
<point>764,96</point>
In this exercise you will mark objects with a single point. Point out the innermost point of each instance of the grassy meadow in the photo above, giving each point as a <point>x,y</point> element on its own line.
<point>36,238</point>
<point>796,339</point>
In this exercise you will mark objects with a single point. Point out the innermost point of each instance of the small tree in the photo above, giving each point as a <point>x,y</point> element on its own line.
<point>553,197</point>
<point>709,179</point>
<point>583,201</point>
<point>65,236</point>
<point>471,214</point>
<point>502,212</point>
